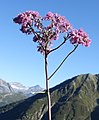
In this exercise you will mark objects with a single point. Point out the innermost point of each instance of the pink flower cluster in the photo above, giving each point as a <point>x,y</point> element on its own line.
<point>44,32</point>
<point>79,37</point>
<point>26,20</point>
<point>58,22</point>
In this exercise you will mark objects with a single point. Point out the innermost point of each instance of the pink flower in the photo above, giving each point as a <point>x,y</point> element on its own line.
<point>32,23</point>
<point>58,22</point>
<point>26,19</point>
<point>32,14</point>
<point>49,16</point>
<point>79,37</point>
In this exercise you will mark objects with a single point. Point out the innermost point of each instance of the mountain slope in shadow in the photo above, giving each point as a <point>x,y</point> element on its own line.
<point>74,99</point>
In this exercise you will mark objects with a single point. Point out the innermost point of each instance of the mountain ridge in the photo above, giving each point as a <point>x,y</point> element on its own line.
<point>12,92</point>
<point>74,99</point>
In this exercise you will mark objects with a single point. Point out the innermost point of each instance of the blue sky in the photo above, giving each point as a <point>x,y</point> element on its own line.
<point>19,59</point>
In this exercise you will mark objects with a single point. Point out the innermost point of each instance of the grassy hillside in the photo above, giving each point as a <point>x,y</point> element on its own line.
<point>74,99</point>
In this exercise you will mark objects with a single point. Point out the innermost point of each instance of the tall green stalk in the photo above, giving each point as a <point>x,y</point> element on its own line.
<point>47,86</point>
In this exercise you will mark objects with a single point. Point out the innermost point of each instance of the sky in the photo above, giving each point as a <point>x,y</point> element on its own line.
<point>19,59</point>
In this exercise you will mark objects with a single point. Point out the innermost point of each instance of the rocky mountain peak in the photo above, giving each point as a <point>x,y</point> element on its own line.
<point>5,87</point>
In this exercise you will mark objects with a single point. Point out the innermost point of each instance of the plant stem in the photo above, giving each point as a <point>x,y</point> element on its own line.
<point>62,62</point>
<point>47,86</point>
<point>58,46</point>
<point>65,39</point>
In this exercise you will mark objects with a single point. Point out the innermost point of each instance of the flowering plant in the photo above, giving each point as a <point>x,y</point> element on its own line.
<point>32,23</point>
<point>45,30</point>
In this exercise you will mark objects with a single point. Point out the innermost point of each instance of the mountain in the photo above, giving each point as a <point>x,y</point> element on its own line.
<point>8,95</point>
<point>27,91</point>
<point>18,86</point>
<point>5,87</point>
<point>74,99</point>
<point>35,89</point>
<point>12,92</point>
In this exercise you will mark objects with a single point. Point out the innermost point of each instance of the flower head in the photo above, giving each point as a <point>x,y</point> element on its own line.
<point>59,23</point>
<point>32,23</point>
<point>26,19</point>
<point>79,37</point>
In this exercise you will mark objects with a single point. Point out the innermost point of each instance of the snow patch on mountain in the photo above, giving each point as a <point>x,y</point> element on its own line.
<point>18,86</point>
